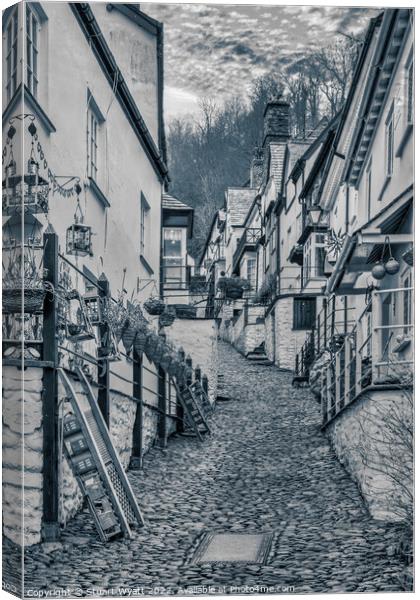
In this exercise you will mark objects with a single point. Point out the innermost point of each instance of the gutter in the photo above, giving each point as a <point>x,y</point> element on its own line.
<point>89,26</point>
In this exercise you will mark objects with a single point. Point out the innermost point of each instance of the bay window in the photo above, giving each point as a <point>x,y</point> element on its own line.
<point>174,252</point>
<point>313,257</point>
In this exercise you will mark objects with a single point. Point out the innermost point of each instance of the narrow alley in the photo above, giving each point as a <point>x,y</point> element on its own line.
<point>266,468</point>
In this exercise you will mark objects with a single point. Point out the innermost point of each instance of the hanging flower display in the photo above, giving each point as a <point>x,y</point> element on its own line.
<point>140,342</point>
<point>108,350</point>
<point>167,317</point>
<point>233,287</point>
<point>79,235</point>
<point>28,193</point>
<point>78,327</point>
<point>22,281</point>
<point>115,315</point>
<point>154,306</point>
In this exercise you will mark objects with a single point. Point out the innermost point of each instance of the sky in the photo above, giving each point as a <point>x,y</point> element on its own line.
<point>217,50</point>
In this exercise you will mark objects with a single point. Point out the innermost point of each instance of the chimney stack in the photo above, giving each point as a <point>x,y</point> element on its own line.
<point>276,120</point>
<point>257,168</point>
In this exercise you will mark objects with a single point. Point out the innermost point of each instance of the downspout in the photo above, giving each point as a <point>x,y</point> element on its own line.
<point>347,224</point>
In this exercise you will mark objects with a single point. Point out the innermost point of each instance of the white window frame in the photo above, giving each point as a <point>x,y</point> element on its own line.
<point>369,187</point>
<point>172,281</point>
<point>32,28</point>
<point>11,54</point>
<point>310,256</point>
<point>389,142</point>
<point>251,272</point>
<point>144,224</point>
<point>92,144</point>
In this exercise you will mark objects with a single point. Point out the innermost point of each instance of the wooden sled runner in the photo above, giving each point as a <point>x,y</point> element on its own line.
<point>96,464</point>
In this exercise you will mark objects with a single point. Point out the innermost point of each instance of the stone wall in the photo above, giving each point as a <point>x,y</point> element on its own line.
<point>198,337</point>
<point>23,441</point>
<point>247,333</point>
<point>22,453</point>
<point>287,342</point>
<point>371,439</point>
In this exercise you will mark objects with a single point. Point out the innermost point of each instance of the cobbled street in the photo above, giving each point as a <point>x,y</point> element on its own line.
<point>267,467</point>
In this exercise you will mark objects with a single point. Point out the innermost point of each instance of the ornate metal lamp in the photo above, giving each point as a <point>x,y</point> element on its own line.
<point>79,235</point>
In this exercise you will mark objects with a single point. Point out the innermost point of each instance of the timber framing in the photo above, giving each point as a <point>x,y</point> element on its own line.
<point>89,26</point>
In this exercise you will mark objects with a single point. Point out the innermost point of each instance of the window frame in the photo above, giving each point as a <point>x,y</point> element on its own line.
<point>389,142</point>
<point>299,323</point>
<point>251,272</point>
<point>169,280</point>
<point>32,37</point>
<point>310,255</point>
<point>92,143</point>
<point>144,215</point>
<point>11,53</point>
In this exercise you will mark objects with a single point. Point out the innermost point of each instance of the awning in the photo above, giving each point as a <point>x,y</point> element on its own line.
<point>364,247</point>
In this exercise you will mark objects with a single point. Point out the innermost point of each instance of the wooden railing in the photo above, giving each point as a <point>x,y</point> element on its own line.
<point>249,239</point>
<point>367,356</point>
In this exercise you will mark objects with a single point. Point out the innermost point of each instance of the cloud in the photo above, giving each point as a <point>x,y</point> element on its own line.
<point>217,50</point>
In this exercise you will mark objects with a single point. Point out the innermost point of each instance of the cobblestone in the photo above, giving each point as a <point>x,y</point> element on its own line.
<point>266,467</point>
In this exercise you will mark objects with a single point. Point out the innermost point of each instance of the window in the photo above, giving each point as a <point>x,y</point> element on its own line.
<point>304,313</point>
<point>92,145</point>
<point>410,92</point>
<point>32,26</point>
<point>173,257</point>
<point>389,143</point>
<point>313,257</point>
<point>369,187</point>
<point>144,224</point>
<point>251,272</point>
<point>11,55</point>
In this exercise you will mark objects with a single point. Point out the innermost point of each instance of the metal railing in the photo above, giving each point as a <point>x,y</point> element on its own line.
<point>376,352</point>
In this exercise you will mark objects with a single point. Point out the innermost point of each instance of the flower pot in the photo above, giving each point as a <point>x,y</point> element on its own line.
<point>234,293</point>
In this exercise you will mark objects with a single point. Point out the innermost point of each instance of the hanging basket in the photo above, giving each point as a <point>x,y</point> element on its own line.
<point>167,317</point>
<point>33,299</point>
<point>154,306</point>
<point>140,342</point>
<point>115,315</point>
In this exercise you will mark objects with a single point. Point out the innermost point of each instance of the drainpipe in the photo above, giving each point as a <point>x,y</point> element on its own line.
<point>347,225</point>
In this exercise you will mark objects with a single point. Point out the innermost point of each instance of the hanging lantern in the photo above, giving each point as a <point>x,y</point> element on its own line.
<point>392,266</point>
<point>93,306</point>
<point>78,327</point>
<point>378,270</point>
<point>79,235</point>
<point>408,257</point>
<point>28,193</point>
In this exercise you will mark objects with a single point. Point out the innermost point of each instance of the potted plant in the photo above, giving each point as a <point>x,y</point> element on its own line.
<point>266,291</point>
<point>233,287</point>
<point>154,305</point>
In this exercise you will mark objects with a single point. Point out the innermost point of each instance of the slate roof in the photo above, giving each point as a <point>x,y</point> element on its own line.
<point>238,202</point>
<point>172,203</point>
